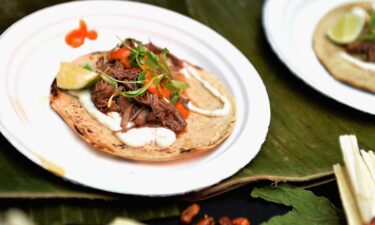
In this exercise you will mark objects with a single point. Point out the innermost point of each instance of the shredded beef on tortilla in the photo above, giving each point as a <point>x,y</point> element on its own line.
<point>145,110</point>
<point>365,48</point>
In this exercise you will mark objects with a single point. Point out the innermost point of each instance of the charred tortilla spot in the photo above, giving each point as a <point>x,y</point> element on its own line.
<point>79,131</point>
<point>54,89</point>
<point>122,146</point>
<point>183,150</point>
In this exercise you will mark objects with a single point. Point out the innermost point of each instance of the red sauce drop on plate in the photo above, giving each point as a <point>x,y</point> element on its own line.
<point>76,37</point>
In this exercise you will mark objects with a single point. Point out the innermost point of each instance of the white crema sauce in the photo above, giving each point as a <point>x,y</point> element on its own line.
<point>189,71</point>
<point>359,11</point>
<point>134,137</point>
<point>357,62</point>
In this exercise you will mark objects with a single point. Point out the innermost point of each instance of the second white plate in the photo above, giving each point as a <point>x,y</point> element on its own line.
<point>289,27</point>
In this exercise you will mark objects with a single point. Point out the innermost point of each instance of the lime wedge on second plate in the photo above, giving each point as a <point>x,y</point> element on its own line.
<point>73,77</point>
<point>347,28</point>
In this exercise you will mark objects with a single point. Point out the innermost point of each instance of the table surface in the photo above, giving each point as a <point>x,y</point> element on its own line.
<point>293,103</point>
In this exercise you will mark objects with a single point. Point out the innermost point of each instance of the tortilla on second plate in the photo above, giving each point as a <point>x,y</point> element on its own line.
<point>328,52</point>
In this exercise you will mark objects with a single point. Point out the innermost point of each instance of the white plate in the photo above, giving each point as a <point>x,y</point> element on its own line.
<point>30,54</point>
<point>289,27</point>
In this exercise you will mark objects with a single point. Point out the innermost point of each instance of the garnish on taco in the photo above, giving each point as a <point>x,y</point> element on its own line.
<point>344,42</point>
<point>140,102</point>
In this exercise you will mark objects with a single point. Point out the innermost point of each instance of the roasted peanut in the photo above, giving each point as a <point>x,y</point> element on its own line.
<point>225,221</point>
<point>240,221</point>
<point>189,213</point>
<point>206,220</point>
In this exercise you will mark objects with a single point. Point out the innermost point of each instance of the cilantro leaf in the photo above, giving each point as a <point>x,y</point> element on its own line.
<point>108,79</point>
<point>179,84</point>
<point>370,35</point>
<point>308,209</point>
<point>88,67</point>
<point>175,98</point>
<point>141,76</point>
<point>367,37</point>
<point>164,51</point>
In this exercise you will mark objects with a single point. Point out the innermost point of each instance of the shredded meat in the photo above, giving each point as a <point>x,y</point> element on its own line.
<point>100,64</point>
<point>141,118</point>
<point>119,72</point>
<point>365,48</point>
<point>162,112</point>
<point>126,116</point>
<point>100,95</point>
<point>144,110</point>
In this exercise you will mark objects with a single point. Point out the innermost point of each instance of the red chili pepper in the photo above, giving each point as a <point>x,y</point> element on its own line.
<point>183,110</point>
<point>154,89</point>
<point>121,54</point>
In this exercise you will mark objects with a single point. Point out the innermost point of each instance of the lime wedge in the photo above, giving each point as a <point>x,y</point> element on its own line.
<point>347,28</point>
<point>73,77</point>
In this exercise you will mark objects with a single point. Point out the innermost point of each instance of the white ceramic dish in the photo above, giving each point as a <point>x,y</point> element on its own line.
<point>30,54</point>
<point>289,27</point>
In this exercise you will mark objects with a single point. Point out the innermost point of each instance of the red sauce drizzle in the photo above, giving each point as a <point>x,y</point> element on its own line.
<point>76,37</point>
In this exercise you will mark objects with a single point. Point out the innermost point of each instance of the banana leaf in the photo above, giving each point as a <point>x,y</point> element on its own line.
<point>302,142</point>
<point>308,208</point>
<point>99,212</point>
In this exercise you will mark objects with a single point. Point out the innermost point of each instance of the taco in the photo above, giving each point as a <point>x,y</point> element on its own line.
<point>143,103</point>
<point>350,60</point>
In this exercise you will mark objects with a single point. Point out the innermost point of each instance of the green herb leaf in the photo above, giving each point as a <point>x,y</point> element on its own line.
<point>88,67</point>
<point>367,37</point>
<point>157,82</point>
<point>108,79</point>
<point>141,76</point>
<point>164,65</point>
<point>371,29</point>
<point>175,86</point>
<point>179,84</point>
<point>164,51</point>
<point>308,209</point>
<point>171,88</point>
<point>175,98</point>
<point>151,62</point>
